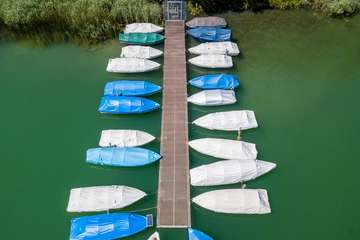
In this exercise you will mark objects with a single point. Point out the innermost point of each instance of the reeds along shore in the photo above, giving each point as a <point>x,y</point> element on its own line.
<point>93,20</point>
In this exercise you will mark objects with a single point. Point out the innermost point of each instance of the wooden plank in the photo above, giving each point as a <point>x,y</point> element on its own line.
<point>174,186</point>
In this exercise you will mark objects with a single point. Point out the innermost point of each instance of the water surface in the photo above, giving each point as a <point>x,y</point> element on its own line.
<point>300,74</point>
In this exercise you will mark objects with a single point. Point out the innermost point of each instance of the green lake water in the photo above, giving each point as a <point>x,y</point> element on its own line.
<point>299,72</point>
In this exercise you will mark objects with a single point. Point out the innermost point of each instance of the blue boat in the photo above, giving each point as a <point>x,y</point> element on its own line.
<point>210,34</point>
<point>126,105</point>
<point>121,157</point>
<point>108,226</point>
<point>197,235</point>
<point>215,81</point>
<point>130,88</point>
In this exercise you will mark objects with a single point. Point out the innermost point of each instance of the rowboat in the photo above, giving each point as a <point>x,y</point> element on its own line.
<point>108,226</point>
<point>102,198</point>
<point>215,81</point>
<point>206,22</point>
<point>229,172</point>
<point>141,38</point>
<point>142,28</point>
<point>225,148</point>
<point>140,52</point>
<point>131,65</point>
<point>213,98</point>
<point>126,105</point>
<point>121,157</point>
<point>154,236</point>
<point>124,138</point>
<point>198,235</point>
<point>210,34</point>
<point>212,61</point>
<point>130,88</point>
<point>228,121</point>
<point>226,48</point>
<point>236,201</point>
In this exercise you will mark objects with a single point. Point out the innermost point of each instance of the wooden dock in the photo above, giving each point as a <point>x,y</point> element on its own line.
<point>173,209</point>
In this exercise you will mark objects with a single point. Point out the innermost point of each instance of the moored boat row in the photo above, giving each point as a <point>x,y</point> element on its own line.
<point>121,147</point>
<point>239,161</point>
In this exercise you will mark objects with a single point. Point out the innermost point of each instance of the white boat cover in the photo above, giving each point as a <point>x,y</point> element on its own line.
<point>215,97</point>
<point>225,148</point>
<point>154,236</point>
<point>241,201</point>
<point>142,28</point>
<point>212,61</point>
<point>136,51</point>
<point>131,65</point>
<point>227,48</point>
<point>229,172</point>
<point>102,198</point>
<point>124,138</point>
<point>228,121</point>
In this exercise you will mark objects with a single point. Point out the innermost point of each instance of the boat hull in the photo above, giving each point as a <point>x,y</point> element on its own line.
<point>126,105</point>
<point>215,81</point>
<point>229,172</point>
<point>141,38</point>
<point>210,34</point>
<point>107,226</point>
<point>235,201</point>
<point>225,148</point>
<point>124,138</point>
<point>228,121</point>
<point>130,88</point>
<point>121,157</point>
<point>102,198</point>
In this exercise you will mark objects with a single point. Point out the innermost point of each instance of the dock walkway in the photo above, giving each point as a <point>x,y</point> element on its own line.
<point>173,209</point>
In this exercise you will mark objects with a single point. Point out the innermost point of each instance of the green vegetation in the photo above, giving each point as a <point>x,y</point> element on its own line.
<point>93,20</point>
<point>98,20</point>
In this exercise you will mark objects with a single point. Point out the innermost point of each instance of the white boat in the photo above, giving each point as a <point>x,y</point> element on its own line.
<point>225,148</point>
<point>229,172</point>
<point>131,65</point>
<point>142,28</point>
<point>237,201</point>
<point>102,198</point>
<point>145,52</point>
<point>215,97</point>
<point>228,121</point>
<point>124,138</point>
<point>225,48</point>
<point>154,236</point>
<point>212,61</point>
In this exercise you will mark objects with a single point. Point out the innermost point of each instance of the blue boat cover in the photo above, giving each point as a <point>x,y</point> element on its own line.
<point>215,81</point>
<point>130,88</point>
<point>210,34</point>
<point>121,157</point>
<point>197,235</point>
<point>126,105</point>
<point>107,226</point>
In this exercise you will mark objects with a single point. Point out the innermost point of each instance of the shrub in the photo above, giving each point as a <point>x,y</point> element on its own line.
<point>337,7</point>
<point>285,4</point>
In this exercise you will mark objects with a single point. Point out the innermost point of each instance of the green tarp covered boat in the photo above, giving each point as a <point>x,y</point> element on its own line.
<point>141,38</point>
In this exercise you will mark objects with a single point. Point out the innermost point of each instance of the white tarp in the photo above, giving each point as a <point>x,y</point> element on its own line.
<point>228,121</point>
<point>240,201</point>
<point>226,48</point>
<point>229,172</point>
<point>124,138</point>
<point>102,198</point>
<point>131,65</point>
<point>225,148</point>
<point>140,52</point>
<point>212,61</point>
<point>154,236</point>
<point>142,28</point>
<point>215,97</point>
